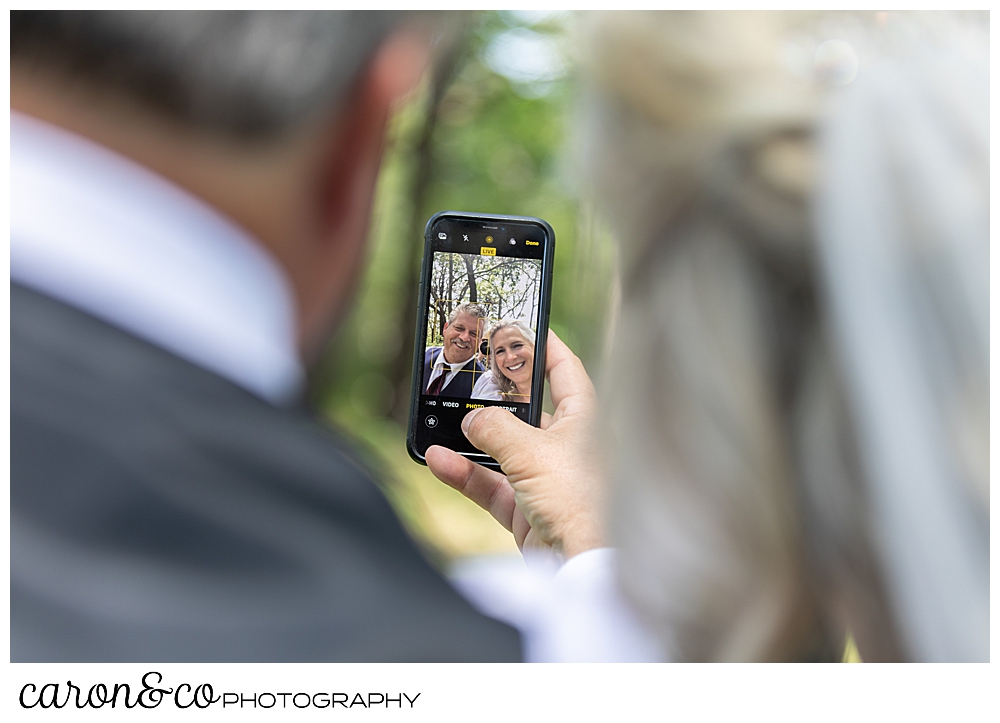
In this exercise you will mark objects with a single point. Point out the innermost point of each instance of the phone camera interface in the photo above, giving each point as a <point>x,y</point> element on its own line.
<point>483,304</point>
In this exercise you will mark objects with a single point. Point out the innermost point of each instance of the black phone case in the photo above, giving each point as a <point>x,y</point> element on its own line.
<point>537,385</point>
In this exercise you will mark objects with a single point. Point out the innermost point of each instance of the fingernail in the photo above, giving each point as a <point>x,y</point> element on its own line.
<point>467,420</point>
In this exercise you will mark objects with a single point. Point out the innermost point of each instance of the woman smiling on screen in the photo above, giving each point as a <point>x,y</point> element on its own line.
<point>512,355</point>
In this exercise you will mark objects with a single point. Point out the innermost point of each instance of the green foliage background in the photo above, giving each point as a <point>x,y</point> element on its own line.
<point>491,144</point>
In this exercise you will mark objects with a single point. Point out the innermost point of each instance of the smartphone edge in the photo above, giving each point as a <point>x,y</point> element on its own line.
<point>418,345</point>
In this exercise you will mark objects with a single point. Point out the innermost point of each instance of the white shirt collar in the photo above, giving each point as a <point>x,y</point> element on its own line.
<point>440,362</point>
<point>110,237</point>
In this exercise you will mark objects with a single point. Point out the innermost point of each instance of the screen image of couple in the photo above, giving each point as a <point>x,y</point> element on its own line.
<point>481,327</point>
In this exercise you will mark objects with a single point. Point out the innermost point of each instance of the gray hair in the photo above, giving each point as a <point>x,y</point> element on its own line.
<point>251,74</point>
<point>472,309</point>
<point>766,494</point>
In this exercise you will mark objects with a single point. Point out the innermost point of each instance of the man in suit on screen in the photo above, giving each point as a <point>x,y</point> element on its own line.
<point>451,370</point>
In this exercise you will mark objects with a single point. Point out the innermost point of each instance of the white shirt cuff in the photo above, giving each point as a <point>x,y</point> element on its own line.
<point>569,613</point>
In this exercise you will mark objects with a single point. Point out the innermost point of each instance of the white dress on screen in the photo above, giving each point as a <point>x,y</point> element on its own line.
<point>487,388</point>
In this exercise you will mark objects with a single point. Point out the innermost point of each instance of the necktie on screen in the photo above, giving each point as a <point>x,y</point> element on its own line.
<point>435,387</point>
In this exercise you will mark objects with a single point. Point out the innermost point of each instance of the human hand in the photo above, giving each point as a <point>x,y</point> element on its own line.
<point>552,492</point>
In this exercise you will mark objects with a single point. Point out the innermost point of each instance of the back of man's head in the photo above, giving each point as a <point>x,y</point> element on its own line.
<point>251,74</point>
<point>275,119</point>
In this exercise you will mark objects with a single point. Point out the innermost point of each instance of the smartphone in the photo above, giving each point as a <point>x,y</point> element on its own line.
<point>482,324</point>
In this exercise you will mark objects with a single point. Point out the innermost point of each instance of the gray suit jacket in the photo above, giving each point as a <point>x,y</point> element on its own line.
<point>161,513</point>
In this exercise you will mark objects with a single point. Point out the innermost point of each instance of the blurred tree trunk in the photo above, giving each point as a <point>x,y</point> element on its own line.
<point>441,77</point>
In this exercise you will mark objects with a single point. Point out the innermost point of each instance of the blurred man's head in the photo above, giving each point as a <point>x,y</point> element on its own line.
<point>462,332</point>
<point>277,119</point>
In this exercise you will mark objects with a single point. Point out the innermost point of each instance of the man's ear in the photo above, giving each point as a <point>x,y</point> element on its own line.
<point>346,173</point>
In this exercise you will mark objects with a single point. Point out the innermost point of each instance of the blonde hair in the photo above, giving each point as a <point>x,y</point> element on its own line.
<point>703,511</point>
<point>508,391</point>
<point>742,505</point>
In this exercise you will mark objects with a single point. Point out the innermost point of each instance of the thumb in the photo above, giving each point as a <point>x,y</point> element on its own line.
<point>496,432</point>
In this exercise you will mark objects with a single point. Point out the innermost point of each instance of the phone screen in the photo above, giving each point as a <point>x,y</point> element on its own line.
<point>482,328</point>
